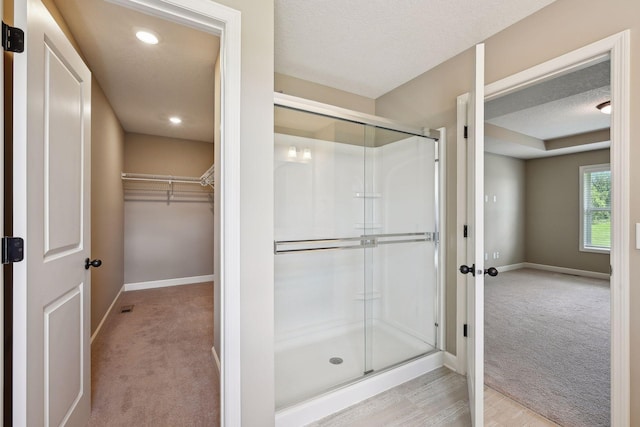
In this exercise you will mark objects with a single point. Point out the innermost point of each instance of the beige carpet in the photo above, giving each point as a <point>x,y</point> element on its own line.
<point>547,344</point>
<point>153,366</point>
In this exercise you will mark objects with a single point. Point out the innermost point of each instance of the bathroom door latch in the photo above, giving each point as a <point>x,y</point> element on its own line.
<point>12,39</point>
<point>12,250</point>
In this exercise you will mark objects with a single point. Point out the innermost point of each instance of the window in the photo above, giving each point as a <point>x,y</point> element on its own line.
<point>595,203</point>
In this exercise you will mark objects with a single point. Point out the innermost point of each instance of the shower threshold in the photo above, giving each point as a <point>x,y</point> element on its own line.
<point>346,395</point>
<point>307,371</point>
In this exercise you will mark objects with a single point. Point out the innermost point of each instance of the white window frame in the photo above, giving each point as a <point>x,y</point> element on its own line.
<point>584,170</point>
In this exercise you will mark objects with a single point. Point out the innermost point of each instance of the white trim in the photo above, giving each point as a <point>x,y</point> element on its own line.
<point>618,47</point>
<point>442,242</point>
<point>113,303</point>
<point>219,19</point>
<point>565,270</point>
<point>511,267</point>
<point>180,281</point>
<point>2,293</point>
<point>461,242</point>
<point>216,359</point>
<point>320,407</point>
<point>450,361</point>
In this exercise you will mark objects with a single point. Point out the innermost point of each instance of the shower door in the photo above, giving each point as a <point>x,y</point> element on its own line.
<point>355,276</point>
<point>400,264</point>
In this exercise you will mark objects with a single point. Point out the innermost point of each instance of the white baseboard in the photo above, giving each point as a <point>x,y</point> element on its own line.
<point>167,282</point>
<point>511,267</point>
<point>450,361</point>
<point>106,314</point>
<point>565,270</point>
<point>216,358</point>
<point>313,410</point>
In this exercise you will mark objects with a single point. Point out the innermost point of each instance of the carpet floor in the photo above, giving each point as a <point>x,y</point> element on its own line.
<point>547,344</point>
<point>153,366</point>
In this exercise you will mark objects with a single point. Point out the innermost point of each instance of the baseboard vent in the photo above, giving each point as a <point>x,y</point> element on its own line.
<point>126,308</point>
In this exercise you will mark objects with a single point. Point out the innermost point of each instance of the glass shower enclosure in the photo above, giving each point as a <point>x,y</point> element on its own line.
<point>356,240</point>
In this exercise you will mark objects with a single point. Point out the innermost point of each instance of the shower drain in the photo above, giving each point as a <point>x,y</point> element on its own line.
<point>336,360</point>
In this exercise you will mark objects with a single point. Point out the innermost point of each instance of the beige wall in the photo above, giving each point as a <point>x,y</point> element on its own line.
<point>158,155</point>
<point>166,238</point>
<point>563,26</point>
<point>256,211</point>
<point>320,93</point>
<point>504,221</point>
<point>553,206</point>
<point>107,205</point>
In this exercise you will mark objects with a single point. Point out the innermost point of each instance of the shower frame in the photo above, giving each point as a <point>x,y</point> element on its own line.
<point>367,386</point>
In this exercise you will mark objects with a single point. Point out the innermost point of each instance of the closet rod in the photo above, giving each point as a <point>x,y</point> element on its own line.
<point>160,178</point>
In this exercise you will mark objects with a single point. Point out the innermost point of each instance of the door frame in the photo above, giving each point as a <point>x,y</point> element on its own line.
<point>225,22</point>
<point>618,47</point>
<point>2,296</point>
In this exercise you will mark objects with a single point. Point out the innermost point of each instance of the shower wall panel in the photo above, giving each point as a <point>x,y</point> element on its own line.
<point>317,293</point>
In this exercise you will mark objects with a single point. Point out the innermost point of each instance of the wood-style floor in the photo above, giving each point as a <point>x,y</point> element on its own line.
<point>501,411</point>
<point>438,398</point>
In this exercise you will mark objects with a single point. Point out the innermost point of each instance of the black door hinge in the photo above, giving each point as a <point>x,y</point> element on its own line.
<point>464,330</point>
<point>466,132</point>
<point>12,39</point>
<point>12,250</point>
<point>465,232</point>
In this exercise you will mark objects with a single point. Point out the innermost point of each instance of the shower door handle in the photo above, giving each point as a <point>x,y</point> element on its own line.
<point>360,242</point>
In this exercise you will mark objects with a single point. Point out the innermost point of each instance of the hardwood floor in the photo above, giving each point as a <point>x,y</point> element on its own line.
<point>438,398</point>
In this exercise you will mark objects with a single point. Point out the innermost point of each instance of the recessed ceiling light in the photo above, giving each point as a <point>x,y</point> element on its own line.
<point>147,37</point>
<point>175,120</point>
<point>605,107</point>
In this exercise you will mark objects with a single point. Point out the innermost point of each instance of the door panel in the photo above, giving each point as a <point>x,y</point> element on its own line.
<point>52,128</point>
<point>63,362</point>
<point>63,156</point>
<point>475,246</point>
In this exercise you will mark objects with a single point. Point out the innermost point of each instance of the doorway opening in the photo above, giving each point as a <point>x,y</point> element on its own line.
<point>548,232</point>
<point>218,20</point>
<point>615,47</point>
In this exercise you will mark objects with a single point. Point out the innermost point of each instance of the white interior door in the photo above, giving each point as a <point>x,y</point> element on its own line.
<point>52,129</point>
<point>2,296</point>
<point>475,246</point>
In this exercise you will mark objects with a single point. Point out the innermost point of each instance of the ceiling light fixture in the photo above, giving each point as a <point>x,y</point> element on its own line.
<point>175,120</point>
<point>605,107</point>
<point>147,37</point>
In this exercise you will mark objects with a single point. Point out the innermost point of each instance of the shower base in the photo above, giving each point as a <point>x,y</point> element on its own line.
<point>310,369</point>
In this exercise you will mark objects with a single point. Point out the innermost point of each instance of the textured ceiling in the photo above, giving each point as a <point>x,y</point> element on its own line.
<point>555,108</point>
<point>147,84</point>
<point>370,47</point>
<point>567,116</point>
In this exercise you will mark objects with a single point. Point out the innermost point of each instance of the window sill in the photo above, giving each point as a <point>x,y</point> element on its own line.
<point>596,250</point>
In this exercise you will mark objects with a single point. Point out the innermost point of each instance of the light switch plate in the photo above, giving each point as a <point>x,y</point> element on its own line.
<point>637,235</point>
